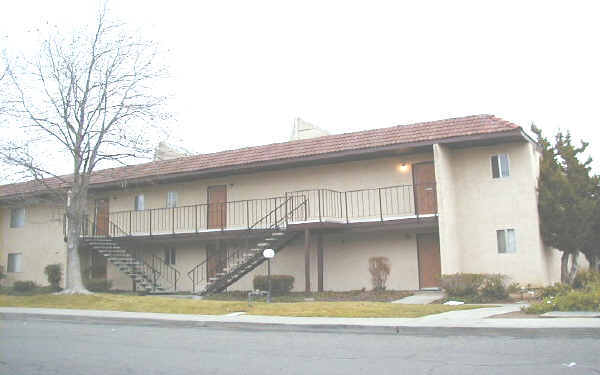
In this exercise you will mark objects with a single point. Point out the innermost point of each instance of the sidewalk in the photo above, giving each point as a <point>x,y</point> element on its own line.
<point>477,318</point>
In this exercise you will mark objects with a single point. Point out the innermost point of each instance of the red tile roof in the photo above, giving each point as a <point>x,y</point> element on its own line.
<point>330,144</point>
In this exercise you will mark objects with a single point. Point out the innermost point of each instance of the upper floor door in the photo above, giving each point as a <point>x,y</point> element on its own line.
<point>217,208</point>
<point>424,188</point>
<point>101,219</point>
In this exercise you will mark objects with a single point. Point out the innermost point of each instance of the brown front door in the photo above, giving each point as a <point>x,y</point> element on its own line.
<point>102,217</point>
<point>430,268</point>
<point>217,210</point>
<point>98,268</point>
<point>216,259</point>
<point>424,186</point>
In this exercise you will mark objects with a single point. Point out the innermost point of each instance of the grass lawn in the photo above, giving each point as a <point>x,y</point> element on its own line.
<point>189,306</point>
<point>125,303</point>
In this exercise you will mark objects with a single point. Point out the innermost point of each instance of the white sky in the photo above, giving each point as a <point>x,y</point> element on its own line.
<point>241,71</point>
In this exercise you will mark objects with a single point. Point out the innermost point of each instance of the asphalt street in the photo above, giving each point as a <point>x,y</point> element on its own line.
<point>36,346</point>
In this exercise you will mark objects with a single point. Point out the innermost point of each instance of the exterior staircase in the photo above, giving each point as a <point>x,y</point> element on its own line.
<point>240,261</point>
<point>143,275</point>
<point>150,274</point>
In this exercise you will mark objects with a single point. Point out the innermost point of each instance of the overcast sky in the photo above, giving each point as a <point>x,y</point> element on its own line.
<point>241,71</point>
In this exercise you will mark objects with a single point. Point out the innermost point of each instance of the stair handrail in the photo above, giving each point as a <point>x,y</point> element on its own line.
<point>283,217</point>
<point>200,273</point>
<point>148,270</point>
<point>165,271</point>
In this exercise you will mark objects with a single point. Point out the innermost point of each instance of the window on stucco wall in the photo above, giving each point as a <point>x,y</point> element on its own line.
<point>17,217</point>
<point>14,263</point>
<point>139,202</point>
<point>507,242</point>
<point>171,199</point>
<point>500,166</point>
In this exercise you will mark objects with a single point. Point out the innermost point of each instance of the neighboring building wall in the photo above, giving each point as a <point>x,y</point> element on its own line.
<point>483,205</point>
<point>40,240</point>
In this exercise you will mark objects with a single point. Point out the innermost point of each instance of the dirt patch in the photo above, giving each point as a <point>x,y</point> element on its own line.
<point>352,296</point>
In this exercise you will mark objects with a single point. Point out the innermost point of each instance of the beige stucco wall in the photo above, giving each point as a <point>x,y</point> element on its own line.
<point>480,205</point>
<point>341,176</point>
<point>345,260</point>
<point>450,256</point>
<point>40,241</point>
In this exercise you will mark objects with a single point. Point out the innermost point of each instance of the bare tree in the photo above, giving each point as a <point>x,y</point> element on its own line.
<point>87,100</point>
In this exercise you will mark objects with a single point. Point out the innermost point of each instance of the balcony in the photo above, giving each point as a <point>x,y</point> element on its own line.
<point>304,207</point>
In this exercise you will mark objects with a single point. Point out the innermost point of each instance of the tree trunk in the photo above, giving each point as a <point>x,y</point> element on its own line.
<point>76,207</point>
<point>574,267</point>
<point>564,268</point>
<point>593,260</point>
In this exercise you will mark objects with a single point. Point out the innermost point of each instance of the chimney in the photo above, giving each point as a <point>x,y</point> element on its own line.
<point>306,130</point>
<point>165,152</point>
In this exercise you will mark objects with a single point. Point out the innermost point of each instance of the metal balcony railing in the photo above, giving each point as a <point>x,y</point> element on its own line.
<point>318,205</point>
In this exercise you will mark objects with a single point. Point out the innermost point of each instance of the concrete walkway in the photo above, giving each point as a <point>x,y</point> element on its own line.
<point>421,298</point>
<point>477,318</point>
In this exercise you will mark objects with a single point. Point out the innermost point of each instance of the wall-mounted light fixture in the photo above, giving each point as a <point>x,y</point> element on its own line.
<point>402,167</point>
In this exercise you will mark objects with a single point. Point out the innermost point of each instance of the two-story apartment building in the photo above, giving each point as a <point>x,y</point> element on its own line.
<point>441,197</point>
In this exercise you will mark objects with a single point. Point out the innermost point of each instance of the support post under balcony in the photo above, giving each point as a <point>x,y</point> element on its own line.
<point>320,262</point>
<point>307,260</point>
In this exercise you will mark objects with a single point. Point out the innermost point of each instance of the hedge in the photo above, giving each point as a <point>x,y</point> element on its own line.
<point>280,284</point>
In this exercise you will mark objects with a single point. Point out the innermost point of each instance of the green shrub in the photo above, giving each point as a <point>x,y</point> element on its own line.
<point>585,279</point>
<point>540,307</point>
<point>462,284</point>
<point>2,274</point>
<point>54,274</point>
<point>557,289</point>
<point>98,285</point>
<point>24,286</point>
<point>513,288</point>
<point>572,300</point>
<point>578,300</point>
<point>493,288</point>
<point>475,287</point>
<point>280,284</point>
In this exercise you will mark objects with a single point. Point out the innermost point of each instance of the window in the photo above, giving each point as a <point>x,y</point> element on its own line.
<point>17,217</point>
<point>170,256</point>
<point>171,199</point>
<point>14,262</point>
<point>507,242</point>
<point>500,166</point>
<point>139,202</point>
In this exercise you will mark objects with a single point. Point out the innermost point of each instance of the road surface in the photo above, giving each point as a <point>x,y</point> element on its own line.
<point>67,348</point>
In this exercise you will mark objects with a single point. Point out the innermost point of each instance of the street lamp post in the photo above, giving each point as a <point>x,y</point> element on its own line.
<point>269,253</point>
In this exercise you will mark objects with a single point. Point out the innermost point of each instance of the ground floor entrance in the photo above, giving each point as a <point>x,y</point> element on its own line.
<point>430,268</point>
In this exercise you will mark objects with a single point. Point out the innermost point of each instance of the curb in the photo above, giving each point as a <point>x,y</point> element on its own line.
<point>312,328</point>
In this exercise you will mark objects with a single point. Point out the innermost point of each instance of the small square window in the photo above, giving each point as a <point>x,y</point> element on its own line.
<point>17,217</point>
<point>507,242</point>
<point>171,199</point>
<point>139,202</point>
<point>14,262</point>
<point>500,166</point>
<point>170,256</point>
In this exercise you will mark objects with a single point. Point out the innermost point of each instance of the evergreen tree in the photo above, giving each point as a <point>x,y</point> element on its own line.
<point>566,199</point>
